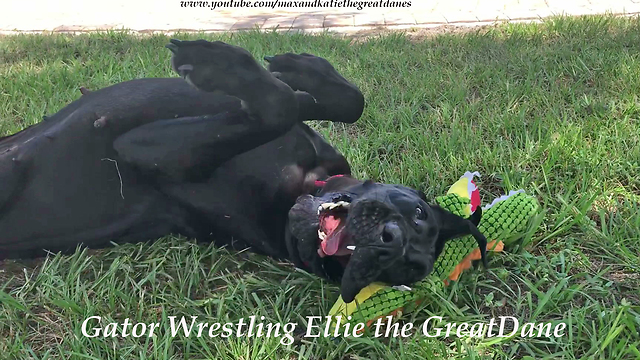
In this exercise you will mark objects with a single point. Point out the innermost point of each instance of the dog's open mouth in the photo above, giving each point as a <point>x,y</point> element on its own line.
<point>333,238</point>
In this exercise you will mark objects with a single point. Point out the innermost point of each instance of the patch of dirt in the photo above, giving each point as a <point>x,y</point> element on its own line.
<point>627,283</point>
<point>608,205</point>
<point>427,33</point>
<point>12,272</point>
<point>473,95</point>
<point>420,34</point>
<point>502,306</point>
<point>491,186</point>
<point>620,276</point>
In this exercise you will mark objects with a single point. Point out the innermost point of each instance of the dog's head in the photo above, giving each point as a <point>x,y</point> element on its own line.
<point>363,232</point>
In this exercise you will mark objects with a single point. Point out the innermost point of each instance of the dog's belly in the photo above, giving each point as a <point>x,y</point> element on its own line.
<point>77,191</point>
<point>60,207</point>
<point>248,198</point>
<point>62,183</point>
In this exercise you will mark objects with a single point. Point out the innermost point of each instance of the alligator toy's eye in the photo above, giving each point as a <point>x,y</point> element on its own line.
<point>420,215</point>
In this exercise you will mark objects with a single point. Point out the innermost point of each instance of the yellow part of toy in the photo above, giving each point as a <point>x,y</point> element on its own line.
<point>346,309</point>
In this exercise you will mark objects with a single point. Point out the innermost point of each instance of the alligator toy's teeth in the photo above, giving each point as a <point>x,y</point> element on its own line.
<point>402,287</point>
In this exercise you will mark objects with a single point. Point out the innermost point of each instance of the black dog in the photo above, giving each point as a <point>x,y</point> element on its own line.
<point>223,155</point>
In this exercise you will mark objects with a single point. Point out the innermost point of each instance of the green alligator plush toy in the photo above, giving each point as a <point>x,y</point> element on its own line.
<point>506,216</point>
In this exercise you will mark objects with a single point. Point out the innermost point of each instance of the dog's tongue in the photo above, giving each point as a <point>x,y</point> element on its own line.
<point>331,244</point>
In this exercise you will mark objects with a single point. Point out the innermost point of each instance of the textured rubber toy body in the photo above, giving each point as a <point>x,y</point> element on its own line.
<point>505,217</point>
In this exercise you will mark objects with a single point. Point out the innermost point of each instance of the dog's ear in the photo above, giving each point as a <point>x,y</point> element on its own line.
<point>453,226</point>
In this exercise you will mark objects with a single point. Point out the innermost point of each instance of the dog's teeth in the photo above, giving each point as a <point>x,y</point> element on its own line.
<point>351,247</point>
<point>331,205</point>
<point>319,209</point>
<point>402,288</point>
<point>322,235</point>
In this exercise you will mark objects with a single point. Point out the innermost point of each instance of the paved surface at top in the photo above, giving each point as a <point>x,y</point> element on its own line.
<point>169,15</point>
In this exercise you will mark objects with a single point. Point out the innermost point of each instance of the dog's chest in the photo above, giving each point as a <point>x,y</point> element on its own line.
<point>275,171</point>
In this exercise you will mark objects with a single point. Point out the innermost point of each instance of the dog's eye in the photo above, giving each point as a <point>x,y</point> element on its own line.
<point>420,215</point>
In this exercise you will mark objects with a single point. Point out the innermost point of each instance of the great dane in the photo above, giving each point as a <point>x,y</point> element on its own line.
<point>220,154</point>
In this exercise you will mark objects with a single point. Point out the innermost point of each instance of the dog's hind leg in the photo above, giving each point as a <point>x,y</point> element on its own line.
<point>219,67</point>
<point>14,162</point>
<point>193,147</point>
<point>323,93</point>
<point>11,179</point>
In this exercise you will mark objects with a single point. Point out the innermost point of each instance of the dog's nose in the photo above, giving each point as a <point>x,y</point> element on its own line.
<point>391,233</point>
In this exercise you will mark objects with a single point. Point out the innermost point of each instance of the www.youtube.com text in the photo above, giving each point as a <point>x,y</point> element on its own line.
<point>274,4</point>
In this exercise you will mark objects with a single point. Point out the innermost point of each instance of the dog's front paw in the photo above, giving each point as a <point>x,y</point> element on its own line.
<point>216,66</point>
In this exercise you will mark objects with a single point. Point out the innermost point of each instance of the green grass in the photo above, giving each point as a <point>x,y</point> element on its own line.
<point>551,108</point>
